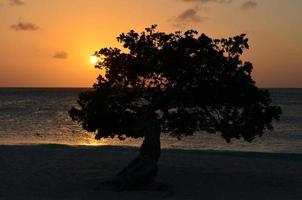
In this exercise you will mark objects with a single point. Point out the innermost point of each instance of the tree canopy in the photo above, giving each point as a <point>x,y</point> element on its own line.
<point>187,82</point>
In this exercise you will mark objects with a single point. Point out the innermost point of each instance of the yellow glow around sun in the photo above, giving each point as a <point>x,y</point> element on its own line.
<point>94,59</point>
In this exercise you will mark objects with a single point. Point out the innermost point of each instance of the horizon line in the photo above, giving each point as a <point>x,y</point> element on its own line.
<point>62,87</point>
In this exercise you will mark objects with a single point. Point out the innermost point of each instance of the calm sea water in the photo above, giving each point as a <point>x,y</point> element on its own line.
<point>40,116</point>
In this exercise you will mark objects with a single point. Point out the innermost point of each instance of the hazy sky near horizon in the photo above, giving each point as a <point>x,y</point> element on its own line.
<point>48,43</point>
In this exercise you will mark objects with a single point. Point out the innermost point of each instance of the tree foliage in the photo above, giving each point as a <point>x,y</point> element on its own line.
<point>187,82</point>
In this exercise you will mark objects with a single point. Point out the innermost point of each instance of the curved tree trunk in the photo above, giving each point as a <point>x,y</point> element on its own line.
<point>143,169</point>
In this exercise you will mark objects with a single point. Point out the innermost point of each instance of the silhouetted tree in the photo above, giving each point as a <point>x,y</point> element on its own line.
<point>178,83</point>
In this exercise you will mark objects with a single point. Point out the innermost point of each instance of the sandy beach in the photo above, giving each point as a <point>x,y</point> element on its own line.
<point>72,172</point>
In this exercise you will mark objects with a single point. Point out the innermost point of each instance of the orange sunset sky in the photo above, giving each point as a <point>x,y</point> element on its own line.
<point>48,43</point>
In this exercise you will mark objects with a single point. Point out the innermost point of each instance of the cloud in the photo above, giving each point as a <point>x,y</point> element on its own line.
<point>61,55</point>
<point>188,17</point>
<point>17,2</point>
<point>191,15</point>
<point>208,1</point>
<point>249,5</point>
<point>24,26</point>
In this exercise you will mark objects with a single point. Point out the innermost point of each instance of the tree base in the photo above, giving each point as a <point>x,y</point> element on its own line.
<point>140,173</point>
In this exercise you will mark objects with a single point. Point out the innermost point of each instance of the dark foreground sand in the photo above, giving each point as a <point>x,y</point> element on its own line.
<point>64,172</point>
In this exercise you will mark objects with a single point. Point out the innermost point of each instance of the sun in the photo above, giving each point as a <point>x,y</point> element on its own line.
<point>94,59</point>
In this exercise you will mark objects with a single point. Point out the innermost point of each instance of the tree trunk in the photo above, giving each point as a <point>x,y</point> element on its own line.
<point>142,171</point>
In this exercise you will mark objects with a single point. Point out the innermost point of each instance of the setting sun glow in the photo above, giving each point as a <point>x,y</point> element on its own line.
<point>94,59</point>
<point>62,39</point>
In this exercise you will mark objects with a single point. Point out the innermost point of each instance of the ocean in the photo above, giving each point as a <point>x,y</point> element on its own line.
<point>40,116</point>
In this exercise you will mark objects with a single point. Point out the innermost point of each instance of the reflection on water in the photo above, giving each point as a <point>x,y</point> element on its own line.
<point>39,116</point>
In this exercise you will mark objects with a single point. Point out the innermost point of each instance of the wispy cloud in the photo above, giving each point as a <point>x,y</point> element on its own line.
<point>61,55</point>
<point>16,2</point>
<point>190,15</point>
<point>249,5</point>
<point>24,26</point>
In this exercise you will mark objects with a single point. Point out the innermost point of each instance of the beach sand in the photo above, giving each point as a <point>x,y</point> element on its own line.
<point>72,172</point>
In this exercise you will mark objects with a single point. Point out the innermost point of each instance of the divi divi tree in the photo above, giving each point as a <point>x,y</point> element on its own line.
<point>172,83</point>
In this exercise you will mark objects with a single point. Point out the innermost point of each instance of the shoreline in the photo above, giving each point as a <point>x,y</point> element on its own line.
<point>232,153</point>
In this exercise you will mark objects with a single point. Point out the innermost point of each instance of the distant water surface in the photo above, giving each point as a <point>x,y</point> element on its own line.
<point>40,116</point>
